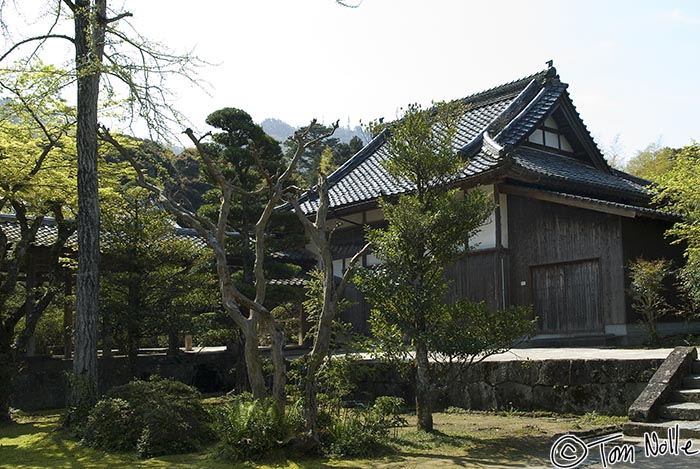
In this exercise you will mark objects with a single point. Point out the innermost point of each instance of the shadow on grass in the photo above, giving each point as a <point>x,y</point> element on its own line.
<point>40,444</point>
<point>35,443</point>
<point>470,450</point>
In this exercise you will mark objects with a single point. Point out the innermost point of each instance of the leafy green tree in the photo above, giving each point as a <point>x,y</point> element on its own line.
<point>678,191</point>
<point>152,282</point>
<point>188,185</point>
<point>103,43</point>
<point>647,291</point>
<point>652,162</point>
<point>37,180</point>
<point>427,231</point>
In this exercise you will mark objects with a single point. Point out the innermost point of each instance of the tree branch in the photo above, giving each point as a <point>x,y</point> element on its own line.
<point>120,16</point>
<point>70,5</point>
<point>204,227</point>
<point>351,267</point>
<point>36,38</point>
<point>294,201</point>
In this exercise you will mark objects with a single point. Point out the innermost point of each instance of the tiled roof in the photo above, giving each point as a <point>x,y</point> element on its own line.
<point>364,178</point>
<point>345,250</point>
<point>510,113</point>
<point>294,256</point>
<point>578,177</point>
<point>289,282</point>
<point>187,234</point>
<point>48,232</point>
<point>531,116</point>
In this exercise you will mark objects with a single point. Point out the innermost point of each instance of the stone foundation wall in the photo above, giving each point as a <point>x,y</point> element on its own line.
<point>42,382</point>
<point>576,386</point>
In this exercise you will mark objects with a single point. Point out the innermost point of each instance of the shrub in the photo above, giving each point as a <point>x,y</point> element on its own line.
<point>388,410</point>
<point>249,429</point>
<point>647,291</point>
<point>111,426</point>
<point>155,417</point>
<point>362,432</point>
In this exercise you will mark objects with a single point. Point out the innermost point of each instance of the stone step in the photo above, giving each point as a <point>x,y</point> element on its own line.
<point>686,429</point>
<point>696,367</point>
<point>680,411</point>
<point>686,395</point>
<point>691,382</point>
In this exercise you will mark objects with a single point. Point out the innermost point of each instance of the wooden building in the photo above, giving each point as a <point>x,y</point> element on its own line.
<point>565,226</point>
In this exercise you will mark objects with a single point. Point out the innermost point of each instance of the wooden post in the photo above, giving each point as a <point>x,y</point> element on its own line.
<point>499,267</point>
<point>188,342</point>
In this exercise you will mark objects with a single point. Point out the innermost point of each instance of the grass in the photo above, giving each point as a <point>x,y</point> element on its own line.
<point>464,438</point>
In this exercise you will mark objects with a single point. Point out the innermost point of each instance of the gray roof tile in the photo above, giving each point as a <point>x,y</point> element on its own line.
<point>48,232</point>
<point>510,112</point>
<point>577,176</point>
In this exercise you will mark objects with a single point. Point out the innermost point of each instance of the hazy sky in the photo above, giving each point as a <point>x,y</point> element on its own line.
<point>633,66</point>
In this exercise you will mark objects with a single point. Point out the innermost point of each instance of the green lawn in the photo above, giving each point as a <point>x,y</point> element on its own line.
<point>470,439</point>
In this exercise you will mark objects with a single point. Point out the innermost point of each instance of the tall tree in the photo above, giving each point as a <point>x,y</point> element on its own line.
<point>37,179</point>
<point>247,311</point>
<point>320,235</point>
<point>427,231</point>
<point>153,280</point>
<point>101,48</point>
<point>313,160</point>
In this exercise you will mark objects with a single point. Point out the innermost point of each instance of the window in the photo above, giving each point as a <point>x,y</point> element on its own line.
<point>549,135</point>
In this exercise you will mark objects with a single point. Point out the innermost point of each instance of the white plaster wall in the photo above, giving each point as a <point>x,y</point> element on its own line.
<point>503,205</point>
<point>485,238</point>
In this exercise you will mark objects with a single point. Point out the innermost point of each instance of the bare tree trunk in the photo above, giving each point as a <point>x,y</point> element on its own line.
<point>252,361</point>
<point>133,332</point>
<point>323,334</point>
<point>279,377</point>
<point>320,237</point>
<point>30,287</point>
<point>424,408</point>
<point>89,44</point>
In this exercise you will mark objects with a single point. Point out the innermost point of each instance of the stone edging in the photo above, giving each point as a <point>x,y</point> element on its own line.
<point>667,378</point>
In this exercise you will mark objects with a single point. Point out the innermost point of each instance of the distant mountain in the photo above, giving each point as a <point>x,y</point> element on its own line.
<point>281,131</point>
<point>277,129</point>
<point>345,134</point>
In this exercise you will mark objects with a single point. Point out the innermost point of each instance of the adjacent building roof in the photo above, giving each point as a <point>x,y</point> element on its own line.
<point>560,171</point>
<point>492,135</point>
<point>48,233</point>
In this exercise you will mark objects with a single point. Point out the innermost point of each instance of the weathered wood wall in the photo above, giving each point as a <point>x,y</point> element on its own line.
<point>543,233</point>
<point>480,276</point>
